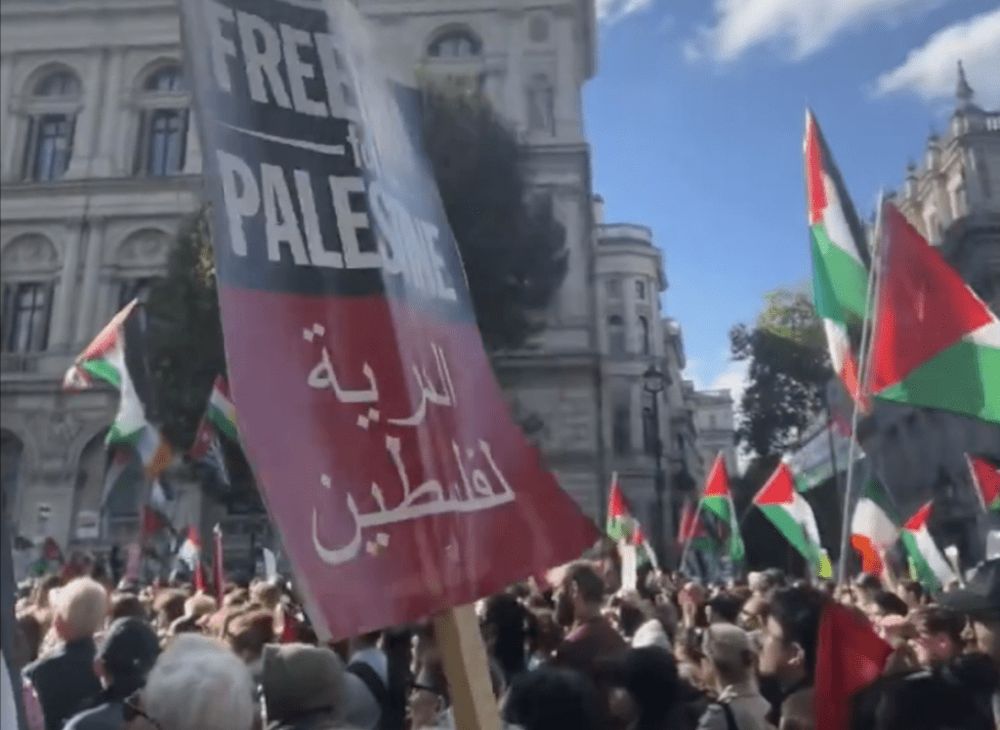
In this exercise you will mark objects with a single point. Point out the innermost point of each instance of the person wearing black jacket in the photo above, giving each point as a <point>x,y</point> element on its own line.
<point>124,659</point>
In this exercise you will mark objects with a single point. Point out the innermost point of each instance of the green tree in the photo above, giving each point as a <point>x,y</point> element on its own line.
<point>512,247</point>
<point>789,368</point>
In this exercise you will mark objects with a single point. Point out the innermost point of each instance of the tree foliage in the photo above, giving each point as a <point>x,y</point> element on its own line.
<point>789,368</point>
<point>511,244</point>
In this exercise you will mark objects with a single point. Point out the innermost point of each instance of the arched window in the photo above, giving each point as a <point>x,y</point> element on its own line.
<point>541,105</point>
<point>616,335</point>
<point>644,346</point>
<point>51,110</point>
<point>455,44</point>
<point>163,123</point>
<point>29,265</point>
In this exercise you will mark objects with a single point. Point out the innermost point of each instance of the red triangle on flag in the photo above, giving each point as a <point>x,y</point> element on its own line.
<point>616,502</point>
<point>919,519</point>
<point>924,306</point>
<point>779,489</point>
<point>717,484</point>
<point>814,171</point>
<point>986,477</point>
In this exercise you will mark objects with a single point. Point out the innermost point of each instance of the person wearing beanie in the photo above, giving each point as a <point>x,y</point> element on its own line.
<point>304,687</point>
<point>730,653</point>
<point>123,660</point>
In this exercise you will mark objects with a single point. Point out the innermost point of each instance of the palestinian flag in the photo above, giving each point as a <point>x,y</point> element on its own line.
<point>644,551</point>
<point>115,357</point>
<point>930,566</point>
<point>221,410</point>
<point>717,500</point>
<point>690,529</point>
<point>812,462</point>
<point>935,343</point>
<point>619,522</point>
<point>840,276</point>
<point>986,479</point>
<point>873,527</point>
<point>791,514</point>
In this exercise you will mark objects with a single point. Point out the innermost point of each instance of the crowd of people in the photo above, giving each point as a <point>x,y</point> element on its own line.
<point>577,653</point>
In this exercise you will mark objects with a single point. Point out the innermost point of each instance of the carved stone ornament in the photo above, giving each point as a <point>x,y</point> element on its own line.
<point>57,430</point>
<point>144,247</point>
<point>32,251</point>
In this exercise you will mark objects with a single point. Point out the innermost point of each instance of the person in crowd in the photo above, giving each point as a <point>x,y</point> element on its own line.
<point>247,633</point>
<point>731,658</point>
<point>764,584</point>
<point>504,630</point>
<point>886,603</point>
<point>549,698</point>
<point>641,624</point>
<point>367,681</point>
<point>938,635</point>
<point>31,634</point>
<point>125,657</point>
<point>591,638</point>
<point>126,605</point>
<point>65,679</point>
<point>304,687</point>
<point>168,606</point>
<point>544,635</point>
<point>723,607</point>
<point>645,692</point>
<point>196,682</point>
<point>688,657</point>
<point>397,643</point>
<point>788,653</point>
<point>866,587</point>
<point>265,594</point>
<point>913,593</point>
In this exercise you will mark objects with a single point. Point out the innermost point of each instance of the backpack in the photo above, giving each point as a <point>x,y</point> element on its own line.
<point>730,717</point>
<point>373,682</point>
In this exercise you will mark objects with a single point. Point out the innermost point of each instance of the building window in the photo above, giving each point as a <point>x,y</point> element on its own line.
<point>616,335</point>
<point>541,105</point>
<point>621,428</point>
<point>136,289</point>
<point>51,112</point>
<point>455,44</point>
<point>644,344</point>
<point>163,124</point>
<point>614,288</point>
<point>26,310</point>
<point>640,290</point>
<point>713,422</point>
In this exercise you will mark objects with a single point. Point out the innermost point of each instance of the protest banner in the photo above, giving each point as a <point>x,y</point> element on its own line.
<point>378,435</point>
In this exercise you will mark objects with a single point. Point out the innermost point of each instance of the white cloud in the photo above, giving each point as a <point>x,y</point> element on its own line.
<point>799,27</point>
<point>733,379</point>
<point>929,71</point>
<point>611,11</point>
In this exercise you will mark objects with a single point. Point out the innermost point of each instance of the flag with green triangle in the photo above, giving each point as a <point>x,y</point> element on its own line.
<point>717,500</point>
<point>930,566</point>
<point>115,357</point>
<point>986,480</point>
<point>874,526</point>
<point>935,343</point>
<point>791,514</point>
<point>840,274</point>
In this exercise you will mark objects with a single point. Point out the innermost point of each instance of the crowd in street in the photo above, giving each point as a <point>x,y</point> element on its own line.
<point>575,652</point>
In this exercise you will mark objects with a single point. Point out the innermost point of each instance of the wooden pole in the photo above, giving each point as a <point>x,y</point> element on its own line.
<point>464,657</point>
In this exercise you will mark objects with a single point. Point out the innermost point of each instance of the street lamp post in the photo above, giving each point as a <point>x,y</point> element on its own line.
<point>653,383</point>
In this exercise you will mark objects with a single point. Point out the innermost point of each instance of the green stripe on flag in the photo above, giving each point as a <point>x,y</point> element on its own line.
<point>226,426</point>
<point>103,370</point>
<point>792,530</point>
<point>840,282</point>
<point>964,378</point>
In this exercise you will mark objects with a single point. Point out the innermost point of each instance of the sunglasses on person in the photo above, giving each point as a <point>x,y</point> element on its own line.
<point>132,709</point>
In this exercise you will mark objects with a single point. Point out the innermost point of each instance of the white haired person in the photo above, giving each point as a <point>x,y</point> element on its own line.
<point>64,679</point>
<point>732,659</point>
<point>196,683</point>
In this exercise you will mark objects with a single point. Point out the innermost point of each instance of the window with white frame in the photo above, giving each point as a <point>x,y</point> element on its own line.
<point>163,103</point>
<point>51,108</point>
<point>30,267</point>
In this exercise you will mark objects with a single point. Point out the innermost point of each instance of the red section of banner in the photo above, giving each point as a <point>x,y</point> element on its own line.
<point>387,457</point>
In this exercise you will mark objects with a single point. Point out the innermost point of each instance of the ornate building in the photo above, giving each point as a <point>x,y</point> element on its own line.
<point>715,423</point>
<point>100,164</point>
<point>953,198</point>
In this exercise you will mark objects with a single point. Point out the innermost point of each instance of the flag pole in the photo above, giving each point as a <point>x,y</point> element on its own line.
<point>863,366</point>
<point>687,543</point>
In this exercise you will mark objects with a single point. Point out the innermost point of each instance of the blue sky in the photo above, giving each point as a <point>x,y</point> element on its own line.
<point>695,122</point>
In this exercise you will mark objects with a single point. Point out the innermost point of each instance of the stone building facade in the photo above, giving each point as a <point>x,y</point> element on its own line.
<point>953,198</point>
<point>100,164</point>
<point>715,423</point>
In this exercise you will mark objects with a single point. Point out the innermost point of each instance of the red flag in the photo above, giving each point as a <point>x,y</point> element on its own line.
<point>986,479</point>
<point>217,568</point>
<point>152,522</point>
<point>690,526</point>
<point>849,657</point>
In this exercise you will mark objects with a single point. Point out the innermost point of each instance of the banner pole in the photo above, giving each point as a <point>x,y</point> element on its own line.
<point>463,655</point>
<point>863,356</point>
